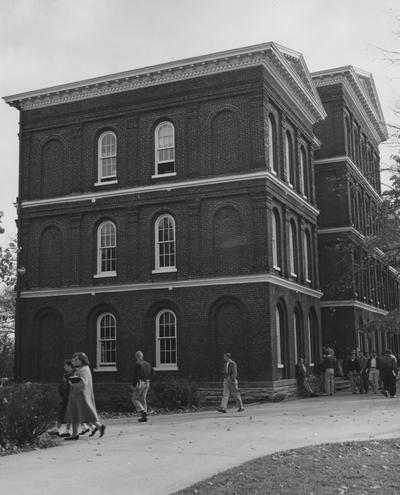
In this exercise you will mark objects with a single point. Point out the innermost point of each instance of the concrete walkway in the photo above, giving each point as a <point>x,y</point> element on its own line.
<point>173,451</point>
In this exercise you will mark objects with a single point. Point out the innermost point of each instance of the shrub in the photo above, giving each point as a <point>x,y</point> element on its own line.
<point>174,394</point>
<point>26,412</point>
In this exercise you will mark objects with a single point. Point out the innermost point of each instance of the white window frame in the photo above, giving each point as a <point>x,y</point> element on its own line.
<point>111,154</point>
<point>310,356</point>
<point>111,244</point>
<point>278,323</point>
<point>295,336</point>
<point>288,156</point>
<point>302,172</point>
<point>272,144</point>
<point>172,366</point>
<point>100,364</point>
<point>161,148</point>
<point>158,245</point>
<point>307,256</point>
<point>275,241</point>
<point>292,254</point>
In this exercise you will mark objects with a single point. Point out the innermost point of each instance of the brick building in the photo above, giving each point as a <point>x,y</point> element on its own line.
<point>173,209</point>
<point>357,286</point>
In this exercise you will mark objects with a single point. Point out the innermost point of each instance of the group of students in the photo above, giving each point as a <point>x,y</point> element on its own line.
<point>77,408</point>
<point>364,371</point>
<point>370,370</point>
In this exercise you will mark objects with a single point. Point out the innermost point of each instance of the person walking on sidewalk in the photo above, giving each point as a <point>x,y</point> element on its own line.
<point>388,367</point>
<point>81,406</point>
<point>231,385</point>
<point>142,373</point>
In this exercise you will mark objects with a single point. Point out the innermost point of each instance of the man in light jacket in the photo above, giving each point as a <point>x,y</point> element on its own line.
<point>230,384</point>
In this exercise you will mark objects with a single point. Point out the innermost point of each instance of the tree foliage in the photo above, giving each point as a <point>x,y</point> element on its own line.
<point>8,270</point>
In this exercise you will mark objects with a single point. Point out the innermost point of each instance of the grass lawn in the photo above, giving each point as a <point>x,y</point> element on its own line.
<point>355,468</point>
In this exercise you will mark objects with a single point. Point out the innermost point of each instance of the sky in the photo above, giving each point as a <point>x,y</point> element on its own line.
<point>49,42</point>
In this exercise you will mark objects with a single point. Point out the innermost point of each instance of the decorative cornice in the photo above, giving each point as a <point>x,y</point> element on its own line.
<point>171,285</point>
<point>289,191</point>
<point>352,303</point>
<point>354,168</point>
<point>342,230</point>
<point>360,87</point>
<point>167,187</point>
<point>293,78</point>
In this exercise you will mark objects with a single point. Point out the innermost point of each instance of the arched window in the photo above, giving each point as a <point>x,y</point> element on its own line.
<point>289,162</point>
<point>165,254</point>
<point>347,136</point>
<point>282,349</point>
<point>106,249</point>
<point>307,256</point>
<point>166,340</point>
<point>272,145</point>
<point>279,324</point>
<point>164,140</point>
<point>293,254</point>
<point>313,341</point>
<point>106,342</point>
<point>303,173</point>
<point>276,240</point>
<point>298,335</point>
<point>107,157</point>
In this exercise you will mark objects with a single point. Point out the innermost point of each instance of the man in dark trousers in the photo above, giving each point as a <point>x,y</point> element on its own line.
<point>142,373</point>
<point>230,384</point>
<point>388,368</point>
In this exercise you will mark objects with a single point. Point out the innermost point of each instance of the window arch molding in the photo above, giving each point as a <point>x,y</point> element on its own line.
<point>164,243</point>
<point>106,249</point>
<point>164,138</point>
<point>107,149</point>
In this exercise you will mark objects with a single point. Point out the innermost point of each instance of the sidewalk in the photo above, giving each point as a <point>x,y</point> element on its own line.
<point>173,451</point>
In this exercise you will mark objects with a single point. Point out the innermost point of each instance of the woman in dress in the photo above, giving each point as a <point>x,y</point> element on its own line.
<point>81,407</point>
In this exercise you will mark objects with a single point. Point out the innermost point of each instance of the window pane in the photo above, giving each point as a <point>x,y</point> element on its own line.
<point>108,156</point>
<point>107,340</point>
<point>167,338</point>
<point>107,248</point>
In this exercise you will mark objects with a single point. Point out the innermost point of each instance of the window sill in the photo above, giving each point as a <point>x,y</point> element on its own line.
<point>273,172</point>
<point>105,368</point>
<point>105,275</point>
<point>294,275</point>
<point>160,176</point>
<point>277,268</point>
<point>168,367</point>
<point>106,182</point>
<point>281,366</point>
<point>308,281</point>
<point>165,270</point>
